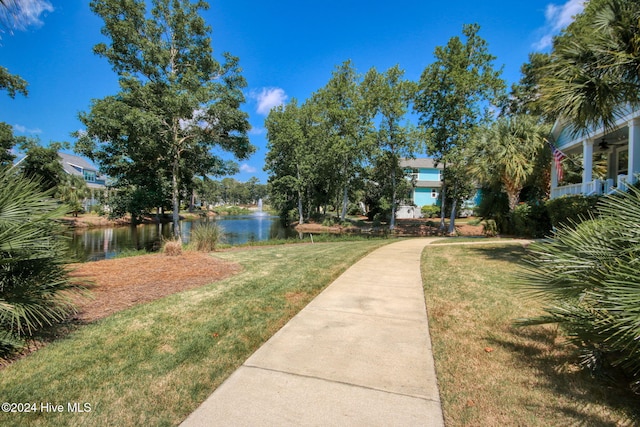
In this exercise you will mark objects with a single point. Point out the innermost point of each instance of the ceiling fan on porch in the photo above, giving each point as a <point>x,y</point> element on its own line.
<point>603,145</point>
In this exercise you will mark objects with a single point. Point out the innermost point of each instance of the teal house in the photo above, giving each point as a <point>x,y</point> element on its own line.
<point>427,179</point>
<point>427,184</point>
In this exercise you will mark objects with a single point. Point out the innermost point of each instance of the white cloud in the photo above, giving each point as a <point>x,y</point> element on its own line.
<point>248,168</point>
<point>257,131</point>
<point>21,14</point>
<point>24,129</point>
<point>269,98</point>
<point>557,17</point>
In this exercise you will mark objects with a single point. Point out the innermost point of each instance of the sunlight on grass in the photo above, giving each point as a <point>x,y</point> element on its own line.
<point>492,373</point>
<point>155,363</point>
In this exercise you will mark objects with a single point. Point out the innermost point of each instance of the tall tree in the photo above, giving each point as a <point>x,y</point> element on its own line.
<point>176,101</point>
<point>388,95</point>
<point>347,121</point>
<point>455,95</point>
<point>595,65</point>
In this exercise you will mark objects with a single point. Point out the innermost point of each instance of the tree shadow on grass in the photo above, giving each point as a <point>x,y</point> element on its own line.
<point>557,363</point>
<point>511,253</point>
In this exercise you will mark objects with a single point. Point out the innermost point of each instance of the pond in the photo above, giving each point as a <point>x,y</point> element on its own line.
<point>104,243</point>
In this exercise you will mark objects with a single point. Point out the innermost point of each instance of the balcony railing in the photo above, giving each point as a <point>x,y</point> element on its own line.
<point>597,186</point>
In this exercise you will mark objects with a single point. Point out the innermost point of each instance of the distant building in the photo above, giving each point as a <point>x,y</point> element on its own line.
<point>79,166</point>
<point>427,179</point>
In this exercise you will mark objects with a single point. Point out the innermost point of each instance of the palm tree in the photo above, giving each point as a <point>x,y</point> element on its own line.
<point>595,65</point>
<point>506,153</point>
<point>588,275</point>
<point>34,288</point>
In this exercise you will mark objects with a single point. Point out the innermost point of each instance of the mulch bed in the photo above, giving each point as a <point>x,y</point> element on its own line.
<point>117,284</point>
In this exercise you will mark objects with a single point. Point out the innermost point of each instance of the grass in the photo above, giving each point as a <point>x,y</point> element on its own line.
<point>491,373</point>
<point>155,363</point>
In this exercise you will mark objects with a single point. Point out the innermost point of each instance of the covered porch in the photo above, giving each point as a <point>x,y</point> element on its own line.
<point>610,159</point>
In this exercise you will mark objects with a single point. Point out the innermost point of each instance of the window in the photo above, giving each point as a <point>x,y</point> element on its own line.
<point>434,193</point>
<point>89,176</point>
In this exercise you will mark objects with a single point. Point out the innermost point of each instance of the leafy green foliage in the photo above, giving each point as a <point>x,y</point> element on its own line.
<point>432,211</point>
<point>454,95</point>
<point>12,83</point>
<point>43,163</point>
<point>7,141</point>
<point>504,154</point>
<point>175,105</point>
<point>593,71</point>
<point>569,210</point>
<point>34,289</point>
<point>531,220</point>
<point>389,95</point>
<point>589,277</point>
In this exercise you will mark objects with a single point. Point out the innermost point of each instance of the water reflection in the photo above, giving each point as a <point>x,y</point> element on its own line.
<point>103,243</point>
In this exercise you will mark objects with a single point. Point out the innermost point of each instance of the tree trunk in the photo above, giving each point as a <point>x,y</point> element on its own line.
<point>345,202</point>
<point>175,198</point>
<point>443,197</point>
<point>392,222</point>
<point>300,210</point>
<point>452,219</point>
<point>454,204</point>
<point>514,198</point>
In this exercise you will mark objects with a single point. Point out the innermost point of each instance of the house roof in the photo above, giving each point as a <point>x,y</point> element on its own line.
<point>423,162</point>
<point>72,164</point>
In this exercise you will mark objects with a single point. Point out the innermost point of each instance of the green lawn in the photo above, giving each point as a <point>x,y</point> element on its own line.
<point>155,363</point>
<point>491,373</point>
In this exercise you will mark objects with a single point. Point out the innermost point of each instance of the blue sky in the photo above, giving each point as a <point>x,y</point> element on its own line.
<point>287,49</point>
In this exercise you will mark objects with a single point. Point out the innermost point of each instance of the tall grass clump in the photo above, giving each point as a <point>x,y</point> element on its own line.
<point>206,236</point>
<point>172,247</point>
<point>589,277</point>
<point>34,287</point>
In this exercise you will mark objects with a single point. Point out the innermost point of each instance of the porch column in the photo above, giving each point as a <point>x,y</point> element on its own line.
<point>634,149</point>
<point>587,164</point>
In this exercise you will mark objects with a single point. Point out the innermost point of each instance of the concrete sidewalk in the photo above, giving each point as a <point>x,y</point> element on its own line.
<point>358,355</point>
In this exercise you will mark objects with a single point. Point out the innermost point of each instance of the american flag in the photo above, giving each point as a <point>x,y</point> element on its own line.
<point>558,156</point>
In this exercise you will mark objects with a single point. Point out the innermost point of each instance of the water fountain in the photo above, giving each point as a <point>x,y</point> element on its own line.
<point>259,212</point>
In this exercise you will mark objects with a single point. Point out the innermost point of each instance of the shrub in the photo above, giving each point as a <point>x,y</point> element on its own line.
<point>531,220</point>
<point>489,228</point>
<point>430,211</point>
<point>571,209</point>
<point>206,236</point>
<point>589,273</point>
<point>34,287</point>
<point>172,248</point>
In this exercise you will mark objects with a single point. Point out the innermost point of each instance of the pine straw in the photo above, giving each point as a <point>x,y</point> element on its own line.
<point>117,284</point>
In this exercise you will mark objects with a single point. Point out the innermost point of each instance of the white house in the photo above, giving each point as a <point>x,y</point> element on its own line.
<point>621,145</point>
<point>79,166</point>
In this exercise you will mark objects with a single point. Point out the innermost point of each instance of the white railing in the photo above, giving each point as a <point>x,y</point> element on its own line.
<point>566,190</point>
<point>608,186</point>
<point>596,186</point>
<point>623,182</point>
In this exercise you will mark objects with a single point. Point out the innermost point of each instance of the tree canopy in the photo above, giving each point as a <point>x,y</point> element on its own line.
<point>594,70</point>
<point>176,101</point>
<point>455,96</point>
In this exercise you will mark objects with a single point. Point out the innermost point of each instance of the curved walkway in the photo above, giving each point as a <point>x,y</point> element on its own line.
<point>359,354</point>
